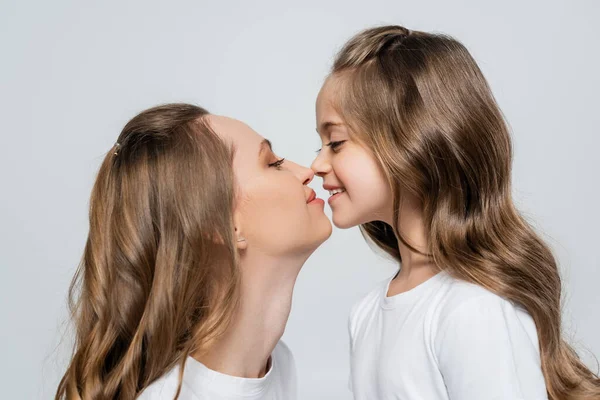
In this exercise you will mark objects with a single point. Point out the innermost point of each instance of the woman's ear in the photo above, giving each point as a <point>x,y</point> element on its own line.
<point>241,242</point>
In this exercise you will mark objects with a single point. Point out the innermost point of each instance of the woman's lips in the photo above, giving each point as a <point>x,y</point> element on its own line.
<point>313,199</point>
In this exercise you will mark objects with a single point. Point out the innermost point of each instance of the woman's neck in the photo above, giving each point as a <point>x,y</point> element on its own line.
<point>257,325</point>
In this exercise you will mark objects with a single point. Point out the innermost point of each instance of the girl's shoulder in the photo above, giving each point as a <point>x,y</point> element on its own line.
<point>460,297</point>
<point>365,305</point>
<point>467,310</point>
<point>371,298</point>
<point>456,293</point>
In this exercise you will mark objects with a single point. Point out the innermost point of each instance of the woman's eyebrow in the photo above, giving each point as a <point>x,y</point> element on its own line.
<point>265,144</point>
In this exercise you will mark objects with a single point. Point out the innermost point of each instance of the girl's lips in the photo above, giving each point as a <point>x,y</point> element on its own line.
<point>331,187</point>
<point>335,196</point>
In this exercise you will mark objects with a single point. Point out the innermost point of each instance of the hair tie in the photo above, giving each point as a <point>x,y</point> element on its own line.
<point>116,146</point>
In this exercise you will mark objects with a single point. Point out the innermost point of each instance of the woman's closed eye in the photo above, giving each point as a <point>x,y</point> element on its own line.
<point>333,145</point>
<point>277,164</point>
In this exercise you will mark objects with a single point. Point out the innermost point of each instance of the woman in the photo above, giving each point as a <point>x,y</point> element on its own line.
<point>417,153</point>
<point>186,280</point>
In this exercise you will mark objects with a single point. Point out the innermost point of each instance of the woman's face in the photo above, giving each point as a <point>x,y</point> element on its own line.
<point>359,192</point>
<point>276,212</point>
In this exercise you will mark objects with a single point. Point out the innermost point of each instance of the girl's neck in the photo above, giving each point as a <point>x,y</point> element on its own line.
<point>415,268</point>
<point>411,275</point>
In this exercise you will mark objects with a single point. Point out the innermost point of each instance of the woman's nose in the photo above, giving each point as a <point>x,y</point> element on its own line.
<point>307,175</point>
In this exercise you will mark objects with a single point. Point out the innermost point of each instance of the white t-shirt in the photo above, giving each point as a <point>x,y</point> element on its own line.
<point>444,339</point>
<point>202,383</point>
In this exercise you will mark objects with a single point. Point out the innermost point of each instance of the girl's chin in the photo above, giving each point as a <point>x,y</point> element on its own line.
<point>343,222</point>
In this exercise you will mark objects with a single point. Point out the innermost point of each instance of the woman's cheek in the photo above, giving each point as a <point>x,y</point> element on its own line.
<point>290,200</point>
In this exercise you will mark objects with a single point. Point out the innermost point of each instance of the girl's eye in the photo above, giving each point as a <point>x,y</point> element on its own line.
<point>277,164</point>
<point>335,145</point>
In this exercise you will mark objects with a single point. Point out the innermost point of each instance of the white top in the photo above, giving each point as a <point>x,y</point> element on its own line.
<point>202,383</point>
<point>444,339</point>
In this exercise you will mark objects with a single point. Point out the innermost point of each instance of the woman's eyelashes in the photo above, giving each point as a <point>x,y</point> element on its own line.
<point>277,164</point>
<point>333,145</point>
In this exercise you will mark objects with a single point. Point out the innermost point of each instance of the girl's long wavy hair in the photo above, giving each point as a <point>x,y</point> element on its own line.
<point>158,279</point>
<point>422,105</point>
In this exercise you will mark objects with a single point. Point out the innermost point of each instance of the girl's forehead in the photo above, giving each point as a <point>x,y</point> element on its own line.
<point>327,115</point>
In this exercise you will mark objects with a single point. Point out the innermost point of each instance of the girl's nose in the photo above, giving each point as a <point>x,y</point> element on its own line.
<point>320,166</point>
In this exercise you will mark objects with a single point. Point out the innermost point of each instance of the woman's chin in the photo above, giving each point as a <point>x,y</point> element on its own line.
<point>320,232</point>
<point>327,230</point>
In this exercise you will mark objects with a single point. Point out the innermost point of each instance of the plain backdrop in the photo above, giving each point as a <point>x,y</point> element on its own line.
<point>73,73</point>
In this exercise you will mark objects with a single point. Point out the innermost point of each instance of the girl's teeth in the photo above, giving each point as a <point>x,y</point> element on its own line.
<point>336,191</point>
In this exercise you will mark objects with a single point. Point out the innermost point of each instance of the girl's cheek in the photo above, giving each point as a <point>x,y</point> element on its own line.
<point>347,165</point>
<point>343,172</point>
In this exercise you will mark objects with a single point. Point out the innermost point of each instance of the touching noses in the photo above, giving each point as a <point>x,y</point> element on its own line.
<point>305,175</point>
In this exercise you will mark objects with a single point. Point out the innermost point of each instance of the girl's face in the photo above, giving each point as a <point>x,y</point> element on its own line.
<point>276,212</point>
<point>359,192</point>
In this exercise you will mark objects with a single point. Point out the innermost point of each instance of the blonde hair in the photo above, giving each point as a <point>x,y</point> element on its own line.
<point>422,105</point>
<point>158,279</point>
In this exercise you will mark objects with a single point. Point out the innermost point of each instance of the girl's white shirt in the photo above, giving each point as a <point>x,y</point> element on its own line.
<point>444,339</point>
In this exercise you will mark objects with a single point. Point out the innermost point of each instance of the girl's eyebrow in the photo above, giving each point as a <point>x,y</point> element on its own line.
<point>328,124</point>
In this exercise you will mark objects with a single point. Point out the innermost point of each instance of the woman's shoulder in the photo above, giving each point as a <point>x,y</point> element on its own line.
<point>283,359</point>
<point>165,387</point>
<point>284,367</point>
<point>199,382</point>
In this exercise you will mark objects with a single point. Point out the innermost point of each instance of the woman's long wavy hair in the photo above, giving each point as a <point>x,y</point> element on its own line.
<point>422,105</point>
<point>158,279</point>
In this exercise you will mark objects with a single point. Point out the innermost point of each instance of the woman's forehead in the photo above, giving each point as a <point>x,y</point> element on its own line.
<point>245,141</point>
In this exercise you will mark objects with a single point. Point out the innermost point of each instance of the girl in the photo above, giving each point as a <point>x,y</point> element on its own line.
<point>186,281</point>
<point>416,152</point>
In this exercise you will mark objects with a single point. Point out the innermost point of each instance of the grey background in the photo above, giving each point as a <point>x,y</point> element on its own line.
<point>73,73</point>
